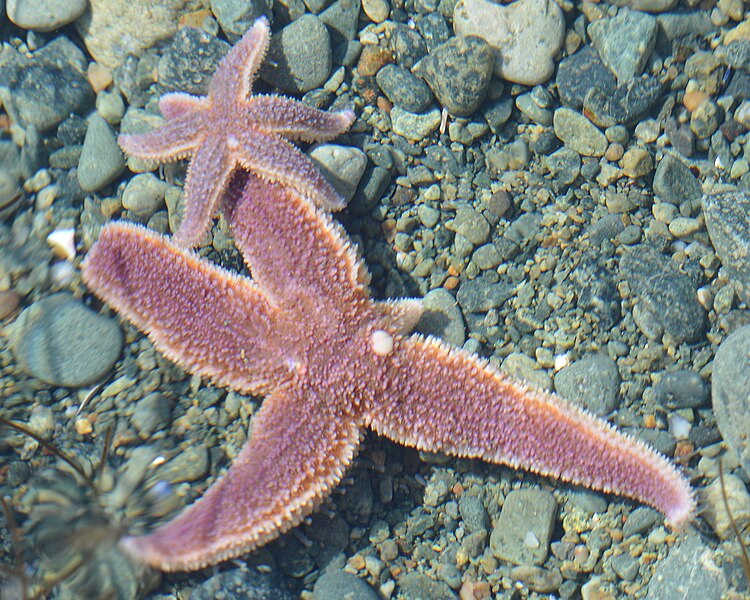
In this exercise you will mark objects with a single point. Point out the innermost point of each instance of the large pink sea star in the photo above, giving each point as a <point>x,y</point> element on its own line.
<point>331,361</point>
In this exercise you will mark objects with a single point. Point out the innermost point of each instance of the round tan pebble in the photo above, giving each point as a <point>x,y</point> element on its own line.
<point>693,99</point>
<point>99,76</point>
<point>84,426</point>
<point>376,10</point>
<point>637,162</point>
<point>614,152</point>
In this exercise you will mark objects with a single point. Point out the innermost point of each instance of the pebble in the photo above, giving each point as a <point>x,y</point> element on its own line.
<point>626,104</point>
<point>624,42</point>
<point>459,73</point>
<point>45,88</point>
<point>418,586</point>
<point>706,119</point>
<point>730,390</point>
<point>483,293</point>
<point>442,317</point>
<point>61,342</point>
<point>151,414</point>
<point>681,389</point>
<point>667,299</point>
<point>636,163</point>
<point>523,531</point>
<point>414,127</point>
<point>189,61</point>
<point>714,507</point>
<point>537,579</point>
<point>403,88</point>
<point>526,35</point>
<point>626,566</point>
<point>376,10</point>
<point>9,301</point>
<point>592,382</point>
<point>237,16</point>
<point>727,217</point>
<point>44,15</point>
<point>689,571</point>
<point>299,56</point>
<point>101,160</point>
<point>114,29</point>
<point>641,520</point>
<point>578,133</point>
<point>471,224</point>
<point>408,46</point>
<point>473,513</point>
<point>144,195</point>
<point>578,74</point>
<point>342,166</point>
<point>564,165</point>
<point>674,182</point>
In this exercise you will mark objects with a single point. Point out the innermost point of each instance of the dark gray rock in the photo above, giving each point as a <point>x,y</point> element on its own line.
<point>237,16</point>
<point>640,520</point>
<point>442,317</point>
<point>592,382</point>
<point>336,584</point>
<point>626,104</point>
<point>403,88</point>
<point>483,293</point>
<point>730,390</point>
<point>595,282</point>
<point>189,61</point>
<point>681,389</point>
<point>101,160</point>
<point>417,586</point>
<point>728,222</point>
<point>433,29</point>
<point>674,182</point>
<point>473,513</point>
<point>625,42</point>
<point>244,583</point>
<point>43,89</point>
<point>61,342</point>
<point>408,46</point>
<point>299,56</point>
<point>667,298</point>
<point>459,73</point>
<point>525,512</point>
<point>581,72</point>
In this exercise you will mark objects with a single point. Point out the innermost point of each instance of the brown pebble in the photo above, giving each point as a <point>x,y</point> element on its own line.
<point>194,19</point>
<point>99,76</point>
<point>372,59</point>
<point>9,301</point>
<point>694,99</point>
<point>499,203</point>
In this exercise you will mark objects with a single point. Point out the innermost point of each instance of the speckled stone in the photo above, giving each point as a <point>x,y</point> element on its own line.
<point>578,133</point>
<point>101,160</point>
<point>61,342</point>
<point>592,382</point>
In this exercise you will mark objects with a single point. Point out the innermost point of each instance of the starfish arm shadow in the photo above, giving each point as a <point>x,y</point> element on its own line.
<point>298,451</point>
<point>174,140</point>
<point>209,321</point>
<point>296,120</point>
<point>442,399</point>
<point>275,159</point>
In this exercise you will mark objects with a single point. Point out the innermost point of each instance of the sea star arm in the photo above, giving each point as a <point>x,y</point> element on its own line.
<point>204,318</point>
<point>174,140</point>
<point>295,252</point>
<point>176,104</point>
<point>441,399</point>
<point>298,451</point>
<point>237,70</point>
<point>206,180</point>
<point>296,120</point>
<point>276,159</point>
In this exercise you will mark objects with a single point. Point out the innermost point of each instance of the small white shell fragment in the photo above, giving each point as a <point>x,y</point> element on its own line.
<point>63,243</point>
<point>381,342</point>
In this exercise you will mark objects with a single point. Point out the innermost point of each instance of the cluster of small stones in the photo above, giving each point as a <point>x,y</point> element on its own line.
<point>556,225</point>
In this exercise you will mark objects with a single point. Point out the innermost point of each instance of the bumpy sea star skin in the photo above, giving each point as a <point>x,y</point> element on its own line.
<point>332,362</point>
<point>231,127</point>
